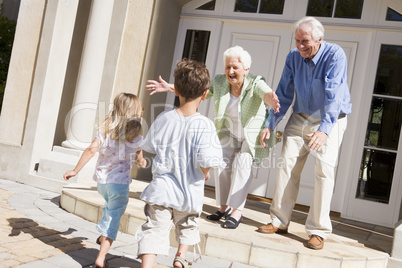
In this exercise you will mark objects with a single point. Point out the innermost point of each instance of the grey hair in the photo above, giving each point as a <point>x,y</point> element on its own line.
<point>237,52</point>
<point>317,30</point>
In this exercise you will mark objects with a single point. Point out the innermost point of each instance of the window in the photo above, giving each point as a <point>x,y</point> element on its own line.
<point>346,9</point>
<point>260,6</point>
<point>196,45</point>
<point>392,15</point>
<point>195,48</point>
<point>383,129</point>
<point>207,6</point>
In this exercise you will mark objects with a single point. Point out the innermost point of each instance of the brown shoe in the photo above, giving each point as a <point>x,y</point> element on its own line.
<point>270,229</point>
<point>315,242</point>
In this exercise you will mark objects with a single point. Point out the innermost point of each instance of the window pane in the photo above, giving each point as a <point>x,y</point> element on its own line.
<point>195,48</point>
<point>246,6</point>
<point>208,6</point>
<point>375,178</point>
<point>272,6</point>
<point>196,45</point>
<point>392,15</point>
<point>384,125</point>
<point>320,8</point>
<point>389,72</point>
<point>349,9</point>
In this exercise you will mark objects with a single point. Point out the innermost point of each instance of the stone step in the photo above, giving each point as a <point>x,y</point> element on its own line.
<point>244,244</point>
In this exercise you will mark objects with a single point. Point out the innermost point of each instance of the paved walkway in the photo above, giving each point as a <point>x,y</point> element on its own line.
<point>36,232</point>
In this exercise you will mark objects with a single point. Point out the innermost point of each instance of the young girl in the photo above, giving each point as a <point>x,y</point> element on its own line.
<point>118,140</point>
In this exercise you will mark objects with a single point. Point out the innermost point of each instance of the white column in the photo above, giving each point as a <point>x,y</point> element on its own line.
<point>21,71</point>
<point>47,87</point>
<point>83,113</point>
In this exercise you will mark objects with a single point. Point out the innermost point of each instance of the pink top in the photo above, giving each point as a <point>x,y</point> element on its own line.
<point>115,160</point>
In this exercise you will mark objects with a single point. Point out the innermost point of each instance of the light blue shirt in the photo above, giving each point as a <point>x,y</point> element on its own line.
<point>319,85</point>
<point>182,145</point>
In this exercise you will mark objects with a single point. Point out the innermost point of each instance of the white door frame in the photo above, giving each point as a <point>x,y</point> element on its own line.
<point>215,27</point>
<point>360,44</point>
<point>226,33</point>
<point>364,210</point>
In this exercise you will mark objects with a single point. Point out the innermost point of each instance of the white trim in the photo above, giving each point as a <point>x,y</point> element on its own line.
<point>373,13</point>
<point>393,4</point>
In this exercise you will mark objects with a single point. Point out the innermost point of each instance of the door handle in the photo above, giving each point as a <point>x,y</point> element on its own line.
<point>279,135</point>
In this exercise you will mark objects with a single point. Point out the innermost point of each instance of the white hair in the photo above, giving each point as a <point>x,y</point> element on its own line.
<point>237,52</point>
<point>311,23</point>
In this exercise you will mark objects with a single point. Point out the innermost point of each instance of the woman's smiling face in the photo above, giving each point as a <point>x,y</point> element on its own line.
<point>235,71</point>
<point>305,43</point>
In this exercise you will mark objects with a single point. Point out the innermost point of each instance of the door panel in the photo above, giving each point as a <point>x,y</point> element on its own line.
<point>307,180</point>
<point>268,46</point>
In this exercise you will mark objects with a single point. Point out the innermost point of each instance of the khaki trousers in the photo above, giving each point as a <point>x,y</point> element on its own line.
<point>153,235</point>
<point>295,151</point>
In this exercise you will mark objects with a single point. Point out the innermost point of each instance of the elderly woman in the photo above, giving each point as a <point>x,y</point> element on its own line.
<point>240,100</point>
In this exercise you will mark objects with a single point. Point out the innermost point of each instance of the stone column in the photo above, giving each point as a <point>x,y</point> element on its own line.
<point>47,87</point>
<point>135,40</point>
<point>80,129</point>
<point>21,71</point>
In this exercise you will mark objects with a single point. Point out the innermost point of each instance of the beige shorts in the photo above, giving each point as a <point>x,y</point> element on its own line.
<point>153,235</point>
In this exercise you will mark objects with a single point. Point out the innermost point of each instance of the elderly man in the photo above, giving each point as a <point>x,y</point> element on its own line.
<point>314,77</point>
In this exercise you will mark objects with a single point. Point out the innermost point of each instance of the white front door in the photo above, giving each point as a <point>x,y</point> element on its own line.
<point>375,182</point>
<point>268,45</point>
<point>370,156</point>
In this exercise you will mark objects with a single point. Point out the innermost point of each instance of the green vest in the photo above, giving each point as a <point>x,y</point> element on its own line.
<point>252,110</point>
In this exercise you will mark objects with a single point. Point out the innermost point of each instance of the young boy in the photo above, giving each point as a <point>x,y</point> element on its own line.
<point>186,146</point>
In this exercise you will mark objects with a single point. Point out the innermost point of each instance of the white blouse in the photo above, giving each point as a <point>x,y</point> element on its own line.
<point>232,122</point>
<point>115,160</point>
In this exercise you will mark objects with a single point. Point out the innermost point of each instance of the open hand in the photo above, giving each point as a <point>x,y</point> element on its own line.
<point>272,100</point>
<point>156,87</point>
<point>318,138</point>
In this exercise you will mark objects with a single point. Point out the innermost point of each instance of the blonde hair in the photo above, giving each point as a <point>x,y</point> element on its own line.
<point>124,120</point>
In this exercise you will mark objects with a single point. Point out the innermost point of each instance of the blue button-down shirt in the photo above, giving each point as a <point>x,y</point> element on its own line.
<point>320,85</point>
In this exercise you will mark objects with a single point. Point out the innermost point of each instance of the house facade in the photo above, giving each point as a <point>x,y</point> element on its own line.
<point>71,57</point>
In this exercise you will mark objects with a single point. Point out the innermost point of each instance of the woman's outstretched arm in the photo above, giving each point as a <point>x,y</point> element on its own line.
<point>161,86</point>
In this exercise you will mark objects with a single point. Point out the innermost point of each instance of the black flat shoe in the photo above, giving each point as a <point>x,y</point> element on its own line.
<point>231,223</point>
<point>218,215</point>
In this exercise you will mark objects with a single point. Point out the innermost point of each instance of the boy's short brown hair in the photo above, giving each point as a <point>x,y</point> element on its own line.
<point>191,79</point>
